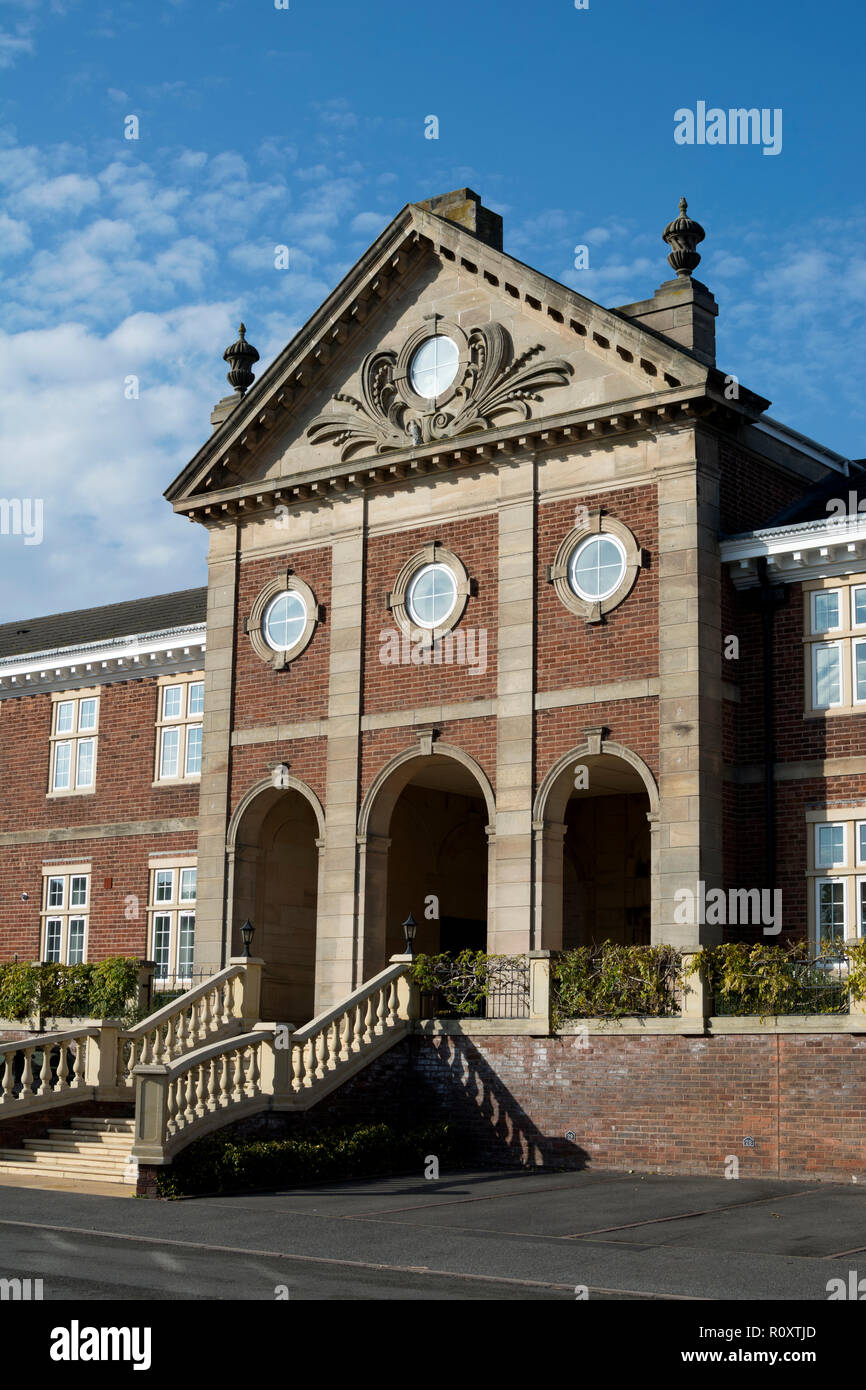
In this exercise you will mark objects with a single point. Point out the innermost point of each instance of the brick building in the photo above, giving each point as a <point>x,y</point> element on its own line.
<point>521,616</point>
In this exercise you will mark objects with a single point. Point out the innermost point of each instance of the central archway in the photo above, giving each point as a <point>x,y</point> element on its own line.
<point>273,844</point>
<point>425,839</point>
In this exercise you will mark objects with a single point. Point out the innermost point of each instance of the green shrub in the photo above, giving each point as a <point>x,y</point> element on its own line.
<point>613,981</point>
<point>107,989</point>
<point>768,979</point>
<point>224,1163</point>
<point>460,984</point>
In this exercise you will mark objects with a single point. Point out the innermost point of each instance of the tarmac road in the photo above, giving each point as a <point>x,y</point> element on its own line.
<point>471,1236</point>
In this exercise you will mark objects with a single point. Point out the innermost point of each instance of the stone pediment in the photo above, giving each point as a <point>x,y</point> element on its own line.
<point>527,350</point>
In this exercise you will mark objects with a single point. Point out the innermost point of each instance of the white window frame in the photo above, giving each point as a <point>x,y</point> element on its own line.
<point>828,646</point>
<point>182,723</point>
<point>174,910</point>
<point>73,739</point>
<point>824,592</point>
<point>846,907</point>
<point>839,863</point>
<point>66,913</point>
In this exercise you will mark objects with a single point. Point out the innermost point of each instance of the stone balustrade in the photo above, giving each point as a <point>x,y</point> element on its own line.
<point>47,1070</point>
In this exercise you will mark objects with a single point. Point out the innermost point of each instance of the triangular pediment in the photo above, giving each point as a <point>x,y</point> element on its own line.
<point>341,396</point>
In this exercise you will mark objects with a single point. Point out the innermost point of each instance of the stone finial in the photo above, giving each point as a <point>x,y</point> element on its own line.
<point>683,235</point>
<point>240,357</point>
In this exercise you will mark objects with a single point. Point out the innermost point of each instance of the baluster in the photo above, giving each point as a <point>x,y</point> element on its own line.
<point>253,1070</point>
<point>27,1073</point>
<point>44,1071</point>
<point>189,1104</point>
<point>211,1097</point>
<point>171,1038</point>
<point>201,1089</point>
<point>146,1056</point>
<point>81,1045</point>
<point>323,1053</point>
<point>208,1022</point>
<point>171,1120</point>
<point>393,1003</point>
<point>382,1009</point>
<point>6,1090</point>
<point>224,1080</point>
<point>368,1020</point>
<point>298,1066</point>
<point>237,1076</point>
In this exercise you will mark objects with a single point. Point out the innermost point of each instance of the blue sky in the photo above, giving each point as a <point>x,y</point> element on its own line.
<point>305,127</point>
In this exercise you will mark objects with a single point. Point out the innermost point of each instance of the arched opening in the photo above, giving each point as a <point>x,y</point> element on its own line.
<point>597,871</point>
<point>606,889</point>
<point>275,885</point>
<point>426,851</point>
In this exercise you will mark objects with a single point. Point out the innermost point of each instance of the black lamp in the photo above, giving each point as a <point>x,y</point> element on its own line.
<point>410,926</point>
<point>247,936</point>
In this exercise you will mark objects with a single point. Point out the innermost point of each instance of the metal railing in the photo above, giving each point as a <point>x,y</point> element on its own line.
<point>813,985</point>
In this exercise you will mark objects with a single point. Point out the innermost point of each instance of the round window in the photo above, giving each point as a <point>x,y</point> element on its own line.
<point>597,567</point>
<point>431,596</point>
<point>285,620</point>
<point>434,366</point>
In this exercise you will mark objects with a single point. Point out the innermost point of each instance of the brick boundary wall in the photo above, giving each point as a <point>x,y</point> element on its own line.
<point>661,1103</point>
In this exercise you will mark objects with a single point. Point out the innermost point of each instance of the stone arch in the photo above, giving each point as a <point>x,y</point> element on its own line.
<point>274,843</point>
<point>550,810</point>
<point>422,765</point>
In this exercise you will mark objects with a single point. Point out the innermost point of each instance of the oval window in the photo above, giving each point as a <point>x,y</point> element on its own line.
<point>597,567</point>
<point>434,366</point>
<point>284,621</point>
<point>431,596</point>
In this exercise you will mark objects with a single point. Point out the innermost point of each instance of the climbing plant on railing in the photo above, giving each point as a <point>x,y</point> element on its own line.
<point>614,981</point>
<point>768,978</point>
<point>461,983</point>
<point>103,989</point>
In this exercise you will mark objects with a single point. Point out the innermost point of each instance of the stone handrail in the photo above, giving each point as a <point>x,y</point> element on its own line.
<point>326,1050</point>
<point>219,1006</point>
<point>271,1066</point>
<point>37,1084</point>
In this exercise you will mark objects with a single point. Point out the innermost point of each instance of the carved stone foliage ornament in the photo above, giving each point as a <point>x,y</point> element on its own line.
<point>486,383</point>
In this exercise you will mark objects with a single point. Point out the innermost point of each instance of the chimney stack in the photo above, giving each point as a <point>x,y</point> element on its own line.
<point>464,208</point>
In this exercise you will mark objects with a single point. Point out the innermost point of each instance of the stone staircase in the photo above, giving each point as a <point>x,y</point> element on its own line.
<point>88,1155</point>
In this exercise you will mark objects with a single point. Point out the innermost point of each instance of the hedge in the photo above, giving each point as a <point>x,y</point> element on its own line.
<point>222,1163</point>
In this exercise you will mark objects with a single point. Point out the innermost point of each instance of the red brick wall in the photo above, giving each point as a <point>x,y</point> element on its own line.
<point>125,763</point>
<point>751,490</point>
<point>477,737</point>
<point>655,1102</point>
<point>386,687</point>
<point>122,859</point>
<point>623,647</point>
<point>306,759</point>
<point>634,723</point>
<point>300,691</point>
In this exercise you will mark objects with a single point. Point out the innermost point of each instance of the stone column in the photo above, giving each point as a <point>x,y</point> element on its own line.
<point>509,928</point>
<point>549,871</point>
<point>690,693</point>
<point>213,924</point>
<point>373,901</point>
<point>339,962</point>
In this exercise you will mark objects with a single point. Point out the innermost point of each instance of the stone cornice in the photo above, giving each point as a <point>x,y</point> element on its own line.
<point>97,663</point>
<point>599,423</point>
<point>805,550</point>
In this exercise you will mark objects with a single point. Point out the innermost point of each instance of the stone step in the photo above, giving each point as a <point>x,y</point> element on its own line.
<point>110,1126</point>
<point>95,1138</point>
<point>28,1177</point>
<point>73,1143</point>
<point>39,1158</point>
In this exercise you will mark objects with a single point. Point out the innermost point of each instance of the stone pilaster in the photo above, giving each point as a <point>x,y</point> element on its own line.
<point>509,927</point>
<point>689,827</point>
<point>339,951</point>
<point>213,923</point>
